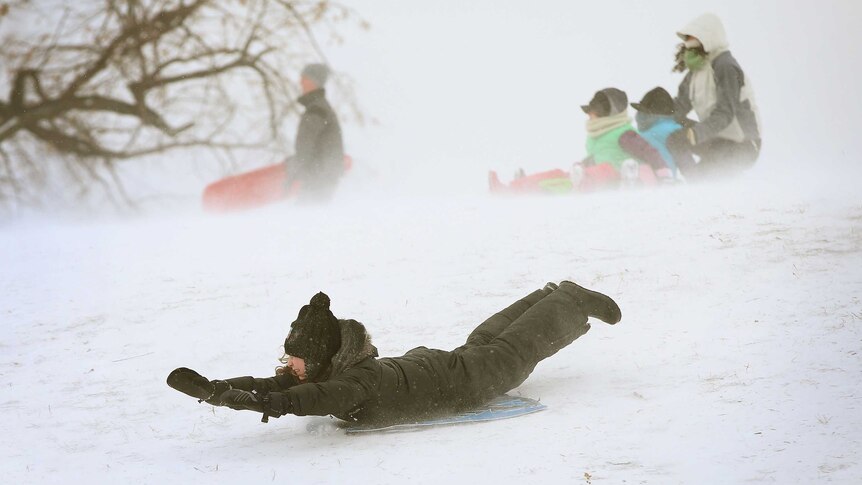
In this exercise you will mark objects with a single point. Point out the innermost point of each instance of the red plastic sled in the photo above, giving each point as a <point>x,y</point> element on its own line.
<point>535,183</point>
<point>252,189</point>
<point>595,178</point>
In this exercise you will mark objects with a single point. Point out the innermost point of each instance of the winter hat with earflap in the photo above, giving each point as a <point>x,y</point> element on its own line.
<point>607,102</point>
<point>315,336</point>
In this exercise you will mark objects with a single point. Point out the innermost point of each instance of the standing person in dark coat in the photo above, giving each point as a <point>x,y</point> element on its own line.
<point>727,136</point>
<point>318,163</point>
<point>331,366</point>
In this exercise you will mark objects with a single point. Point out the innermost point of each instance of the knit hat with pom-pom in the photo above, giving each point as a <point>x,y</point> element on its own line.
<point>315,336</point>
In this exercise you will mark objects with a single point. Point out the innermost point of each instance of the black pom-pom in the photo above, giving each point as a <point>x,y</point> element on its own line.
<point>320,300</point>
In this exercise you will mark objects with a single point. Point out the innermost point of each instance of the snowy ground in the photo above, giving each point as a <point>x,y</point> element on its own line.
<point>738,357</point>
<point>737,360</point>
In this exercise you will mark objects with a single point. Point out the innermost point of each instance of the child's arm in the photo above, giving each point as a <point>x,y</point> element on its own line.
<point>641,150</point>
<point>339,396</point>
<point>263,385</point>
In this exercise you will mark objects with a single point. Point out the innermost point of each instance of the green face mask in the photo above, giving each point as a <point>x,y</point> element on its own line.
<point>693,60</point>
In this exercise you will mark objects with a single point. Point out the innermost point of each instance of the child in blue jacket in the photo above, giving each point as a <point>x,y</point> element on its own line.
<point>655,121</point>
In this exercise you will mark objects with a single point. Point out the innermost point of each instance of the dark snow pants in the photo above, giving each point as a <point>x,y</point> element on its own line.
<point>718,158</point>
<point>502,352</point>
<point>314,188</point>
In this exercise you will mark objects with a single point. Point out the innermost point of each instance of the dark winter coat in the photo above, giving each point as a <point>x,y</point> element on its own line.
<point>497,357</point>
<point>319,158</point>
<point>360,387</point>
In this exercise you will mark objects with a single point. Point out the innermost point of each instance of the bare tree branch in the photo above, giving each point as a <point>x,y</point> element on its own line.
<point>116,80</point>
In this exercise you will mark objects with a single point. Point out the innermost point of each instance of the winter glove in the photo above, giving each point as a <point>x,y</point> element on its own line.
<point>191,383</point>
<point>219,388</point>
<point>687,122</point>
<point>685,136</point>
<point>241,400</point>
<point>690,136</point>
<point>276,404</point>
<point>271,404</point>
<point>681,138</point>
<point>245,400</point>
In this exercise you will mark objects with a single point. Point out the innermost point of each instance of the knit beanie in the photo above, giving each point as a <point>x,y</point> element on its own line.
<point>315,336</point>
<point>317,73</point>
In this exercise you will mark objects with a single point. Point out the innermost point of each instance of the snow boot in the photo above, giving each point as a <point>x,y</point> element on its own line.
<point>630,173</point>
<point>595,304</point>
<point>577,175</point>
<point>494,182</point>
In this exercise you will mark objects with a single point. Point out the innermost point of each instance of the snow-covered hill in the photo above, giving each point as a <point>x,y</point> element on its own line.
<point>737,358</point>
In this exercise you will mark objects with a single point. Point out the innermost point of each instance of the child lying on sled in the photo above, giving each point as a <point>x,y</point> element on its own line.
<point>332,368</point>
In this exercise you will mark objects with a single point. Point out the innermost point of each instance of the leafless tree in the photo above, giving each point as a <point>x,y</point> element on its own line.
<point>113,80</point>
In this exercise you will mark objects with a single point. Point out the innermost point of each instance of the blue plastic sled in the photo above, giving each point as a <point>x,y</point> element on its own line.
<point>503,407</point>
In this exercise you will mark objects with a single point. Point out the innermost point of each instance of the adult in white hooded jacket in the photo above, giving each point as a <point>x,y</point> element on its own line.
<point>726,136</point>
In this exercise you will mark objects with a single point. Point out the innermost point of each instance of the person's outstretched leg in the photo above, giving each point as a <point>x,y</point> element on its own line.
<point>490,328</point>
<point>546,327</point>
<point>542,330</point>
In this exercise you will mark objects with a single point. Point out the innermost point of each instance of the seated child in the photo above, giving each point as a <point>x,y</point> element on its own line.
<point>655,120</point>
<point>611,142</point>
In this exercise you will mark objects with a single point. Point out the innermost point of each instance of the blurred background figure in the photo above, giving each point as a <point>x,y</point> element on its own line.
<point>318,161</point>
<point>613,145</point>
<point>655,121</point>
<point>726,136</point>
